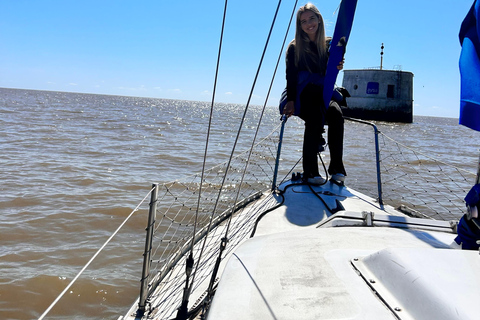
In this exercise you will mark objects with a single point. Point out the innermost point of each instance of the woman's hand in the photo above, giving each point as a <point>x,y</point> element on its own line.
<point>289,108</point>
<point>340,65</point>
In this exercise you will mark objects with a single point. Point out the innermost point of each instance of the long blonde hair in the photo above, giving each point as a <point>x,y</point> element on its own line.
<point>302,40</point>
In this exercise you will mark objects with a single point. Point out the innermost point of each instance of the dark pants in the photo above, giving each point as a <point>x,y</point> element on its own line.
<point>312,111</point>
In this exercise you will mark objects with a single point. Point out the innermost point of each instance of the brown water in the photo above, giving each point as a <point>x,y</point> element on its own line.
<point>73,166</point>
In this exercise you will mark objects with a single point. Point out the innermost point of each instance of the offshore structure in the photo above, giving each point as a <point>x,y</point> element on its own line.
<point>378,94</point>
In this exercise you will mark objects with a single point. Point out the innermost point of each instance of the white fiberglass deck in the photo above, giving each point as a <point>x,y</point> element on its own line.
<point>301,208</point>
<point>293,269</point>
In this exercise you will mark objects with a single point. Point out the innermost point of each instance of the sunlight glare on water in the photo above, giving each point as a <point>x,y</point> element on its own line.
<point>75,165</point>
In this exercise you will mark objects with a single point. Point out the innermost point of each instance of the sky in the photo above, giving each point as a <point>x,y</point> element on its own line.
<point>168,49</point>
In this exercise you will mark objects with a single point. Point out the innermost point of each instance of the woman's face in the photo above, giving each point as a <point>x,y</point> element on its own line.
<point>309,23</point>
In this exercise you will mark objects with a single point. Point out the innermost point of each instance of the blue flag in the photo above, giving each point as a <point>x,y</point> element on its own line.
<point>470,69</point>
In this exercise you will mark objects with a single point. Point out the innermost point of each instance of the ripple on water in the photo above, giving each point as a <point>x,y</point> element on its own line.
<point>81,164</point>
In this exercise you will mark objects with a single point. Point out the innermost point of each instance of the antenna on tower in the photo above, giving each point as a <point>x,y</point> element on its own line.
<point>381,57</point>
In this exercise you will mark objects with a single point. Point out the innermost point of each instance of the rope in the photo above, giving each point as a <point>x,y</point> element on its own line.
<point>265,213</point>
<point>93,258</point>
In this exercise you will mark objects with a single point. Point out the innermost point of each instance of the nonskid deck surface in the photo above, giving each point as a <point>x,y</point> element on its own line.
<point>334,273</point>
<point>305,263</point>
<point>305,206</point>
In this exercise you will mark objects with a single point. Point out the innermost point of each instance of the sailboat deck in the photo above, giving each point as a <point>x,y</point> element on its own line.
<point>294,268</point>
<point>303,209</point>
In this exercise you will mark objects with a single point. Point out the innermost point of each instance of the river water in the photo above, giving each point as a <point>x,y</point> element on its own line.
<point>73,166</point>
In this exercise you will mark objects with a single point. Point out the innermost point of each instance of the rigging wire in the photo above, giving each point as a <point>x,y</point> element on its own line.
<point>266,99</point>
<point>230,159</point>
<point>225,239</point>
<point>183,310</point>
<point>190,260</point>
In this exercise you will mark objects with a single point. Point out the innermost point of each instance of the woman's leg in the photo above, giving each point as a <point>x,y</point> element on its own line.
<point>335,138</point>
<point>311,141</point>
<point>311,112</point>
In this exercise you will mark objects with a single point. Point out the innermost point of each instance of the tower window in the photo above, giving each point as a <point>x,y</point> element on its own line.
<point>391,91</point>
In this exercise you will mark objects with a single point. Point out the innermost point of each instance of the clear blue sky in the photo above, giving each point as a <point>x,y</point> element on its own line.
<point>168,49</point>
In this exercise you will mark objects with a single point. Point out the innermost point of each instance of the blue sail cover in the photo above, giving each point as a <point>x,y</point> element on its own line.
<point>470,69</point>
